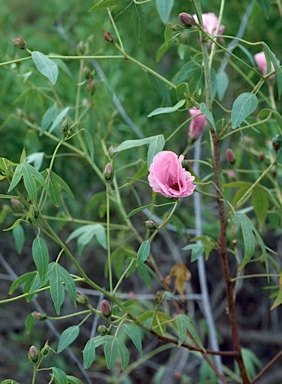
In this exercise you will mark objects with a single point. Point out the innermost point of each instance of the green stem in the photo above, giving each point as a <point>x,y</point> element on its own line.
<point>108,190</point>
<point>221,10</point>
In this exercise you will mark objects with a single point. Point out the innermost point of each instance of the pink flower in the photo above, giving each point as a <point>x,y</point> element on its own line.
<point>197,124</point>
<point>210,22</point>
<point>260,59</point>
<point>168,177</point>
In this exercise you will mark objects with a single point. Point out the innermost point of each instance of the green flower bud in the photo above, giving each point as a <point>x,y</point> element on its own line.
<point>151,225</point>
<point>159,296</point>
<point>19,42</point>
<point>45,350</point>
<point>39,316</point>
<point>102,330</point>
<point>81,298</point>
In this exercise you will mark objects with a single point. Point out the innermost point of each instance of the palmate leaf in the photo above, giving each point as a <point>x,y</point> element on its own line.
<point>29,175</point>
<point>55,186</point>
<point>113,349</point>
<point>89,350</point>
<point>135,334</point>
<point>85,234</point>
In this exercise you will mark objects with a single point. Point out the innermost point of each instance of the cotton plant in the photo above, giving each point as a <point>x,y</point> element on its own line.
<point>208,190</point>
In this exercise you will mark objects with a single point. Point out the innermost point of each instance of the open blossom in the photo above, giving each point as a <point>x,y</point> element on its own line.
<point>261,62</point>
<point>210,22</point>
<point>197,124</point>
<point>168,177</point>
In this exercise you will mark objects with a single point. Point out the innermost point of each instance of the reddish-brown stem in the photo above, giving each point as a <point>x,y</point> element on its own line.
<point>222,241</point>
<point>262,372</point>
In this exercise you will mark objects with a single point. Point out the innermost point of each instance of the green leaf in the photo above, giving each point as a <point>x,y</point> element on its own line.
<point>278,75</point>
<point>57,290</point>
<point>85,234</point>
<point>260,203</point>
<point>59,119</point>
<point>69,283</point>
<point>89,349</point>
<point>164,8</point>
<point>187,72</point>
<point>145,273</point>
<point>49,117</point>
<point>9,381</point>
<point>184,324</point>
<point>55,185</point>
<point>160,111</point>
<point>113,349</point>
<point>25,279</point>
<point>40,256</point>
<point>67,337</point>
<point>197,251</point>
<point>89,142</point>
<point>251,362</point>
<point>29,175</point>
<point>156,145</point>
<point>143,252</point>
<point>243,106</point>
<point>135,334</point>
<point>73,380</point>
<point>277,301</point>
<point>222,83</point>
<point>45,66</point>
<point>265,6</point>
<point>241,220</point>
<point>19,237</point>
<point>204,109</point>
<point>59,376</point>
<point>29,322</point>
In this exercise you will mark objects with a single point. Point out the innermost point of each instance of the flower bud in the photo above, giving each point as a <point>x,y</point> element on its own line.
<point>159,296</point>
<point>105,308</point>
<point>102,330</point>
<point>81,48</point>
<point>151,225</point>
<point>46,348</point>
<point>39,316</point>
<point>277,142</point>
<point>197,124</point>
<point>19,42</point>
<point>108,36</point>
<point>109,172</point>
<point>33,354</point>
<point>65,128</point>
<point>88,73</point>
<point>81,298</point>
<point>230,156</point>
<point>111,151</point>
<point>186,19</point>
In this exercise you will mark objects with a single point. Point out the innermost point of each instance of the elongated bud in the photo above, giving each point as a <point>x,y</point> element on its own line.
<point>33,354</point>
<point>277,142</point>
<point>105,308</point>
<point>19,42</point>
<point>39,316</point>
<point>91,87</point>
<point>81,298</point>
<point>158,296</point>
<point>102,330</point>
<point>109,172</point>
<point>230,156</point>
<point>81,48</point>
<point>151,225</point>
<point>186,19</point>
<point>65,128</point>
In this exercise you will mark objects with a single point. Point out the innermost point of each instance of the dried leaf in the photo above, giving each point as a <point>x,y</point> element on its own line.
<point>182,276</point>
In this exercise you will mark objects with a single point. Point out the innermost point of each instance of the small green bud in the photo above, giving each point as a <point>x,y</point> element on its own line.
<point>33,354</point>
<point>105,308</point>
<point>109,172</point>
<point>151,225</point>
<point>46,348</point>
<point>81,48</point>
<point>102,330</point>
<point>91,87</point>
<point>81,298</point>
